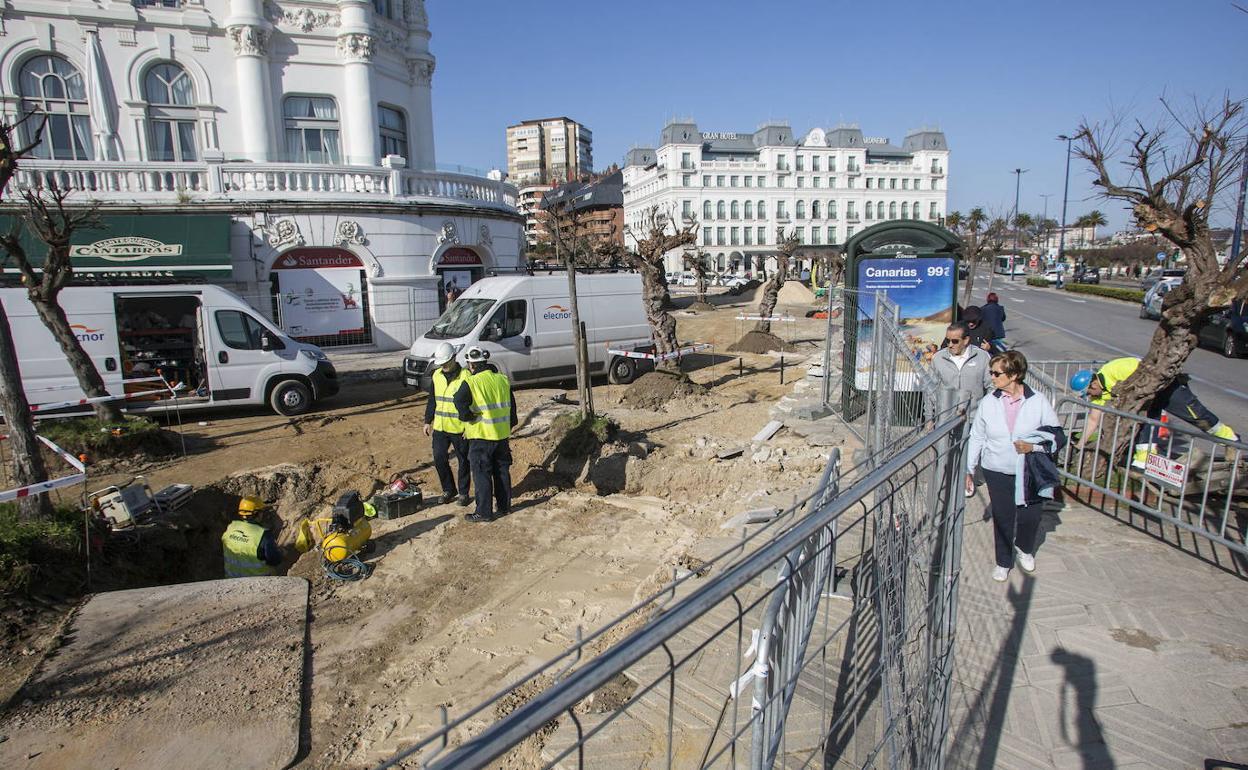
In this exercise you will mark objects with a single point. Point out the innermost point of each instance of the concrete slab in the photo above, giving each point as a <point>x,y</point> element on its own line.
<point>205,675</point>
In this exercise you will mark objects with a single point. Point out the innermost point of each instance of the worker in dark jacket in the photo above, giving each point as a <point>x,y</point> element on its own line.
<point>250,550</point>
<point>487,407</point>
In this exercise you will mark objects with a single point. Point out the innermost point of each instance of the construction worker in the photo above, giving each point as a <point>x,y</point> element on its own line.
<point>250,550</point>
<point>442,421</point>
<point>488,409</point>
<point>1177,399</point>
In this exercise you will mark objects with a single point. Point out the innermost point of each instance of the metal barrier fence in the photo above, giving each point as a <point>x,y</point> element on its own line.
<point>862,676</point>
<point>1169,471</point>
<point>389,317</point>
<point>1052,378</point>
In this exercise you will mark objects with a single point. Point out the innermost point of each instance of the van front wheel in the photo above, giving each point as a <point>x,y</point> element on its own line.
<point>290,398</point>
<point>623,371</point>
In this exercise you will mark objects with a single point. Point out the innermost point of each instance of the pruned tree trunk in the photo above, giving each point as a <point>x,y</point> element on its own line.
<point>662,325</point>
<point>88,376</point>
<point>654,242</point>
<point>28,465</point>
<point>771,289</point>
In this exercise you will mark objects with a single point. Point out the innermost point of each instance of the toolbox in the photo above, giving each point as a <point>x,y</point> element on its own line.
<point>396,505</point>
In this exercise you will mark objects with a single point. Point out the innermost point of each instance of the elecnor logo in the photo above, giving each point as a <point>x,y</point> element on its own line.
<point>127,249</point>
<point>87,334</point>
<point>556,312</point>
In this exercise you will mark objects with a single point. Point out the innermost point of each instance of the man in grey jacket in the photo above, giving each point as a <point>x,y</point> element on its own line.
<point>963,366</point>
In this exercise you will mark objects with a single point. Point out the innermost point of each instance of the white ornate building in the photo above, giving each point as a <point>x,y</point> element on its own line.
<point>287,143</point>
<point>744,188</point>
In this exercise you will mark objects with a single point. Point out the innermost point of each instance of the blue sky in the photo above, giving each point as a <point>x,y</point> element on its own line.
<point>1002,79</point>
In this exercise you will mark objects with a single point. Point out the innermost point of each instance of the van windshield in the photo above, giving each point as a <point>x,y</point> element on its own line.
<point>460,318</point>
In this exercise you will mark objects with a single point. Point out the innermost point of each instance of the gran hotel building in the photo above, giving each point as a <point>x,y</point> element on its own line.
<point>280,148</point>
<point>745,188</point>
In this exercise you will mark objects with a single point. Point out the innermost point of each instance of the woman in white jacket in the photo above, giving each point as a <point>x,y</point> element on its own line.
<point>1009,411</point>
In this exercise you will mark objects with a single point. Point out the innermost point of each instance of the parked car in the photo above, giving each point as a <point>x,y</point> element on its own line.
<point>1051,275</point>
<point>1150,307</point>
<point>687,279</point>
<point>1087,275</point>
<point>1217,333</point>
<point>1150,280</point>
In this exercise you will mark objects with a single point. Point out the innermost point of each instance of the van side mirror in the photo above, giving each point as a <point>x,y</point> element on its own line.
<point>266,343</point>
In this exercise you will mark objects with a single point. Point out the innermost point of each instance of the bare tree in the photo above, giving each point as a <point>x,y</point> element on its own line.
<point>28,465</point>
<point>54,224</point>
<point>565,225</point>
<point>771,290</point>
<point>982,237</point>
<point>1176,169</point>
<point>657,236</point>
<point>698,261</point>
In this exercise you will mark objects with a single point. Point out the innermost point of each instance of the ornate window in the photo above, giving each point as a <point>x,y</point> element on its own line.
<point>170,96</point>
<point>905,210</point>
<point>393,127</point>
<point>720,210</point>
<point>706,209</point>
<point>736,210</point>
<point>868,208</point>
<point>749,208</point>
<point>879,210</point>
<point>52,86</point>
<point>892,209</point>
<point>831,210</point>
<point>762,211</point>
<point>814,209</point>
<point>312,129</point>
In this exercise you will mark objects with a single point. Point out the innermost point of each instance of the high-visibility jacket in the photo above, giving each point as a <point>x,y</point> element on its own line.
<point>241,546</point>
<point>491,401</point>
<point>1113,373</point>
<point>445,418</point>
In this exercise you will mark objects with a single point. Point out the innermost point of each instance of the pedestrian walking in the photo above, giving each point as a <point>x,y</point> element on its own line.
<point>487,407</point>
<point>994,318</point>
<point>963,367</point>
<point>1010,424</point>
<point>443,424</point>
<point>249,549</point>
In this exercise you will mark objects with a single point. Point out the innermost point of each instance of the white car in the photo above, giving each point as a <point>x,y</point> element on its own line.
<point>1051,276</point>
<point>1151,306</point>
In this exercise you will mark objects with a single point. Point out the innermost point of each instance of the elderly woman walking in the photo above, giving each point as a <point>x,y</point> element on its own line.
<point>1013,422</point>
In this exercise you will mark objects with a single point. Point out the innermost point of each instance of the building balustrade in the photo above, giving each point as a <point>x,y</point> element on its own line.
<point>126,182</point>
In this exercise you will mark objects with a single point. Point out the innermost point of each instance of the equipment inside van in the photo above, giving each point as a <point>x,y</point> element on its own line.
<point>525,323</point>
<point>201,341</point>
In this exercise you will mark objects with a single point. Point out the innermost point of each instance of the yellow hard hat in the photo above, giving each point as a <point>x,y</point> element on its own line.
<point>249,506</point>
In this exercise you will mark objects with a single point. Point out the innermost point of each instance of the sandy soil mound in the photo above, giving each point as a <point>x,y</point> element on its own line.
<point>760,342</point>
<point>796,293</point>
<point>653,390</point>
<point>700,306</point>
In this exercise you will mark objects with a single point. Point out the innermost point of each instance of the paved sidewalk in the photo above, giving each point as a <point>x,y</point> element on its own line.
<point>1120,652</point>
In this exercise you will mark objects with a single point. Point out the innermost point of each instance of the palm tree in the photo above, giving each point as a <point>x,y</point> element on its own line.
<point>1095,219</point>
<point>1022,226</point>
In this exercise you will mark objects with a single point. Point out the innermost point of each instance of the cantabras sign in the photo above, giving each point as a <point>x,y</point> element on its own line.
<point>127,249</point>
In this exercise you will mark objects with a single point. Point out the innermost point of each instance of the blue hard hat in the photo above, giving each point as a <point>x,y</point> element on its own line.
<point>1080,380</point>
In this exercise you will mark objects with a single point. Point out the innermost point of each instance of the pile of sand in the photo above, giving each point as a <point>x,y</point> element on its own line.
<point>796,293</point>
<point>760,342</point>
<point>700,307</point>
<point>653,390</point>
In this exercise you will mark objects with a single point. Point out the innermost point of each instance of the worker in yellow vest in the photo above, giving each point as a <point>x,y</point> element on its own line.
<point>442,421</point>
<point>250,550</point>
<point>488,409</point>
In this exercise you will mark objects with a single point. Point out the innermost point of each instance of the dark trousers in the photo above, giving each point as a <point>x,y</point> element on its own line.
<point>1179,400</point>
<point>442,444</point>
<point>491,475</point>
<point>1012,525</point>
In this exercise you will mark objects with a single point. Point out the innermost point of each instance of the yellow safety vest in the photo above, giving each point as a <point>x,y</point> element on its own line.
<point>241,545</point>
<point>491,401</point>
<point>445,417</point>
<point>1113,373</point>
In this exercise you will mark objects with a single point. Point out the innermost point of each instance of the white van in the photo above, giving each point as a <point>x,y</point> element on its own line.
<point>525,323</point>
<point>202,337</point>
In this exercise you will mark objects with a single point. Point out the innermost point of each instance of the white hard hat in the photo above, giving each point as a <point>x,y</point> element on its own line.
<point>444,353</point>
<point>475,355</point>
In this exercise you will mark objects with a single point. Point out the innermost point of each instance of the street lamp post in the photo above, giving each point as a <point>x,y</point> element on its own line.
<point>1018,181</point>
<point>1044,222</point>
<point>1061,238</point>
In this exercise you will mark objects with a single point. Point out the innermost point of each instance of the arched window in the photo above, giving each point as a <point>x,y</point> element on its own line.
<point>814,209</point>
<point>749,209</point>
<point>892,209</point>
<point>170,97</point>
<point>762,210</point>
<point>706,210</point>
<point>720,210</point>
<point>868,208</point>
<point>311,129</point>
<point>50,85</point>
<point>905,210</point>
<point>831,211</point>
<point>879,210</point>
<point>916,211</point>
<point>392,129</point>
<point>801,209</point>
<point>736,210</point>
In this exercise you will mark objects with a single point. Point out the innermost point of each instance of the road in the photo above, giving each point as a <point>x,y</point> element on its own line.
<point>1049,325</point>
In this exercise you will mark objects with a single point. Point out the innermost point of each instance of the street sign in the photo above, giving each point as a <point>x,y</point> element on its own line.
<point>1170,472</point>
<point>1035,262</point>
<point>1161,256</point>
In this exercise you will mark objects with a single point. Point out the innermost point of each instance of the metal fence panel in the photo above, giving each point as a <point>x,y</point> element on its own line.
<point>387,317</point>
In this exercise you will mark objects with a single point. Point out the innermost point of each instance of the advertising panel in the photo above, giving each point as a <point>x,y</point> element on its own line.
<point>321,294</point>
<point>923,290</point>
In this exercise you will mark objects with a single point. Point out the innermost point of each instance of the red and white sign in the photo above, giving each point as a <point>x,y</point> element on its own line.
<point>311,259</point>
<point>1165,470</point>
<point>1034,262</point>
<point>459,256</point>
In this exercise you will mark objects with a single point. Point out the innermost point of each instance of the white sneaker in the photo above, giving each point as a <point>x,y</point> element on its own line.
<point>1026,562</point>
<point>1000,574</point>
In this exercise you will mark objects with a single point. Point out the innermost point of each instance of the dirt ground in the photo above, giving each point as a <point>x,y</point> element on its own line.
<point>456,611</point>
